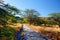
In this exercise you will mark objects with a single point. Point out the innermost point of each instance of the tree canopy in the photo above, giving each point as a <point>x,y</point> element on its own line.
<point>56,17</point>
<point>31,14</point>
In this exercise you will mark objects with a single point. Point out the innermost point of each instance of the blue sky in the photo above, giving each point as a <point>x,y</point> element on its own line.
<point>44,7</point>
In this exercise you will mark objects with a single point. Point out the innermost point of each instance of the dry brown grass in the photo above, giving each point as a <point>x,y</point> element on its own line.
<point>16,26</point>
<point>51,32</point>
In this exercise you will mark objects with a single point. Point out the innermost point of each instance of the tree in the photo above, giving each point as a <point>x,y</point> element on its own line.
<point>9,8</point>
<point>4,17</point>
<point>31,14</point>
<point>7,12</point>
<point>56,17</point>
<point>13,9</point>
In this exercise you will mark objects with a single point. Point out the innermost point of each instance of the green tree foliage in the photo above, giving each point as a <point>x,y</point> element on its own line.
<point>13,10</point>
<point>56,17</point>
<point>49,23</point>
<point>38,21</point>
<point>31,14</point>
<point>3,16</point>
<point>6,13</point>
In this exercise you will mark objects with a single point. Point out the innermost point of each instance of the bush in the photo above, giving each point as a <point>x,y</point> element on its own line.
<point>49,22</point>
<point>7,32</point>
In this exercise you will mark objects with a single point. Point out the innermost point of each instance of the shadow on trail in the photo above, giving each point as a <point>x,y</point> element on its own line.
<point>18,35</point>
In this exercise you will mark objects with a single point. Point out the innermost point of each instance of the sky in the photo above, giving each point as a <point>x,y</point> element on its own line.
<point>44,7</point>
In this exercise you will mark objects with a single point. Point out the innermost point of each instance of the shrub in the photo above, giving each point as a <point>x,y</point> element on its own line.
<point>7,32</point>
